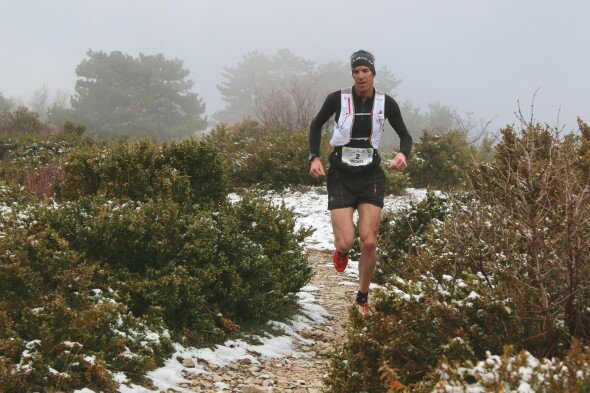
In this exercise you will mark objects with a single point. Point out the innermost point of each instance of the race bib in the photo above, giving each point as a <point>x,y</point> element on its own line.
<point>357,156</point>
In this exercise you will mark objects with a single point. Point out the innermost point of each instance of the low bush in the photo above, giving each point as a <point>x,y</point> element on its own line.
<point>96,286</point>
<point>442,161</point>
<point>396,182</point>
<point>519,372</point>
<point>59,330</point>
<point>186,172</point>
<point>262,157</point>
<point>21,121</point>
<point>401,233</point>
<point>510,265</point>
<point>414,325</point>
<point>36,150</point>
<point>34,161</point>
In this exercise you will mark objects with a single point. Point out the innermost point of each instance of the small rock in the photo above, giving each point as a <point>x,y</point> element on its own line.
<point>254,368</point>
<point>268,382</point>
<point>188,363</point>
<point>327,351</point>
<point>217,378</point>
<point>253,389</point>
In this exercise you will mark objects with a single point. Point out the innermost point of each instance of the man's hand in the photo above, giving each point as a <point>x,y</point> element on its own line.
<point>317,169</point>
<point>398,163</point>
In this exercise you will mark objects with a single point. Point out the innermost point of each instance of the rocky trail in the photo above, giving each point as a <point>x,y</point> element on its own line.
<point>301,371</point>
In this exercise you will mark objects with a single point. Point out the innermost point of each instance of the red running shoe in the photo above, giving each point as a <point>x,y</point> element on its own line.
<point>340,261</point>
<point>364,307</point>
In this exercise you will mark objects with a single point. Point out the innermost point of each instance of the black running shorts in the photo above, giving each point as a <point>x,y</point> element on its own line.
<point>351,189</point>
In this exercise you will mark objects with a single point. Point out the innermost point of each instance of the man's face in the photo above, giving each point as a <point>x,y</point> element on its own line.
<point>363,80</point>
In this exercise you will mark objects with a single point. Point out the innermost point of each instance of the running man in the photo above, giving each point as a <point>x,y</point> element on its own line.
<point>355,178</point>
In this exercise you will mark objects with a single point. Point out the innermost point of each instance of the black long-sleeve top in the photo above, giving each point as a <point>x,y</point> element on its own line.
<point>362,125</point>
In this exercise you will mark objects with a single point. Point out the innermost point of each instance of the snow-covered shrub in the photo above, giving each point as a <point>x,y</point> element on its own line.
<point>63,326</point>
<point>508,266</point>
<point>187,172</point>
<point>34,151</point>
<point>519,372</point>
<point>401,233</point>
<point>33,161</point>
<point>416,323</point>
<point>243,260</point>
<point>122,278</point>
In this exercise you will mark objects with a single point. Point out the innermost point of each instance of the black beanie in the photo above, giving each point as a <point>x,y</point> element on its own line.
<point>362,57</point>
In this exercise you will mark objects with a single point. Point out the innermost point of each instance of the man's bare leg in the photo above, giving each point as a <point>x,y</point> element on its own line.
<point>369,222</point>
<point>343,228</point>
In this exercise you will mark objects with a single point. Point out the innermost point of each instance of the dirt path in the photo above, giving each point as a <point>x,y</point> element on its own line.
<point>302,372</point>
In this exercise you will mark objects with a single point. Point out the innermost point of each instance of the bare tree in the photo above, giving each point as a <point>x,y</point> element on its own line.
<point>39,102</point>
<point>291,106</point>
<point>475,130</point>
<point>61,99</point>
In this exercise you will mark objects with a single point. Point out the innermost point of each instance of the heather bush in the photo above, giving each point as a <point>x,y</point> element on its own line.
<point>186,172</point>
<point>509,265</point>
<point>265,158</point>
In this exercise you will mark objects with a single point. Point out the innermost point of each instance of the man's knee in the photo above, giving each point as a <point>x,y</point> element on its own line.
<point>344,243</point>
<point>368,243</point>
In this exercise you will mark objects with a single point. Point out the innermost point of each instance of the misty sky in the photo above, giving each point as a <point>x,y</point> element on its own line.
<point>477,56</point>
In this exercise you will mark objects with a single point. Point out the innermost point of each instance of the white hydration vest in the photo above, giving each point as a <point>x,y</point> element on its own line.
<point>343,127</point>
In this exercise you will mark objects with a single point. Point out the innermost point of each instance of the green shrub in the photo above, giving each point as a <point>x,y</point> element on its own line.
<point>416,323</point>
<point>401,233</point>
<point>114,282</point>
<point>34,161</point>
<point>187,172</point>
<point>33,151</point>
<point>441,161</point>
<point>21,121</point>
<point>63,333</point>
<point>268,158</point>
<point>71,128</point>
<point>396,182</point>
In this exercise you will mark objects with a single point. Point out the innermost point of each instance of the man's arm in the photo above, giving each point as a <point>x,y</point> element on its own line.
<point>394,115</point>
<point>315,129</point>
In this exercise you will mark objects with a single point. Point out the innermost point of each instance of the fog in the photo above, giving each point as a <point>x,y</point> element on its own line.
<point>476,56</point>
